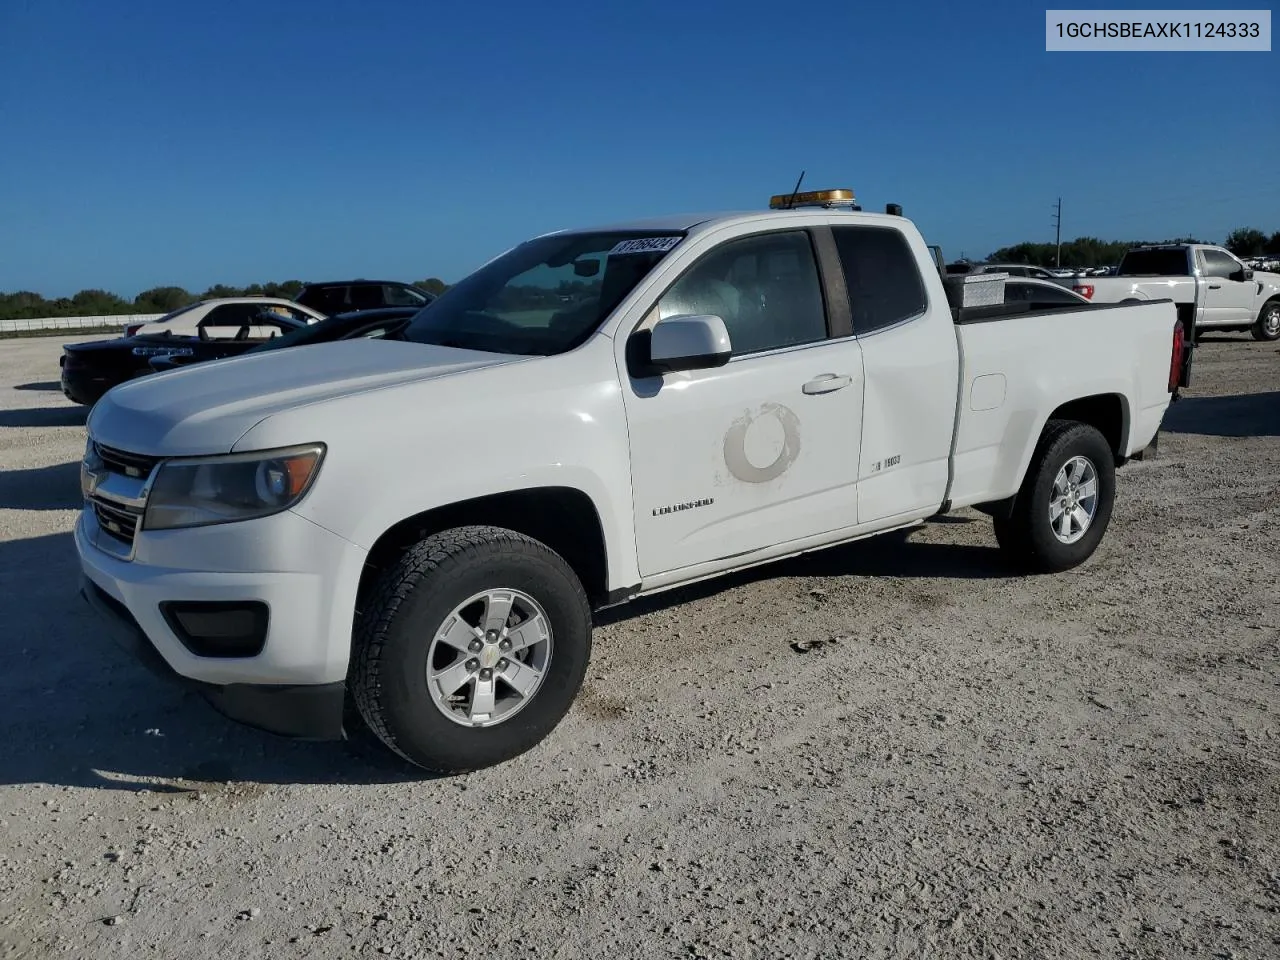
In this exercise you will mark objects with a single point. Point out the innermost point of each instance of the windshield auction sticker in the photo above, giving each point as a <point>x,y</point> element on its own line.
<point>645,245</point>
<point>1142,31</point>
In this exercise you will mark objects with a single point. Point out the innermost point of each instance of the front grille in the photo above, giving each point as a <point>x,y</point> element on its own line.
<point>117,521</point>
<point>117,495</point>
<point>135,465</point>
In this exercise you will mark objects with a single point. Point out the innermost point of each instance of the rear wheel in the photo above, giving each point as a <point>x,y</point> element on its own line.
<point>1268,325</point>
<point>471,649</point>
<point>1061,512</point>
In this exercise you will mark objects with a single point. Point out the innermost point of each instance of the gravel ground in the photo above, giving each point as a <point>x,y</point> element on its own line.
<point>961,763</point>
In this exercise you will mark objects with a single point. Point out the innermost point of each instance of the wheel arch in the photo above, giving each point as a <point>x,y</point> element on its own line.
<point>1108,413</point>
<point>564,518</point>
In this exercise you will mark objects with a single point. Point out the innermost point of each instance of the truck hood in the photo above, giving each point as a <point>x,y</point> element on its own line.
<point>207,407</point>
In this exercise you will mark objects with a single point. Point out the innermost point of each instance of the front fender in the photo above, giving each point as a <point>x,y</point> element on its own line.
<point>396,452</point>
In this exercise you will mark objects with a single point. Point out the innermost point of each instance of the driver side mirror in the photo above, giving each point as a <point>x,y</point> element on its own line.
<point>689,342</point>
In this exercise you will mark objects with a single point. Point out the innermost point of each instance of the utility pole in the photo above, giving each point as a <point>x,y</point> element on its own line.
<point>1057,221</point>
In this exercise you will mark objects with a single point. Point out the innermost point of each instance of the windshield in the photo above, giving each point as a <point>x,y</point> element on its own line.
<point>1154,263</point>
<point>179,312</point>
<point>544,297</point>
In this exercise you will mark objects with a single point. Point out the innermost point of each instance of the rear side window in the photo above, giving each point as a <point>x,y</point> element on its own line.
<point>1154,263</point>
<point>881,275</point>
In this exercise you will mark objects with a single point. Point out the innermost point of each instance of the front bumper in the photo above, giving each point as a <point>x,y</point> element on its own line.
<point>302,711</point>
<point>304,575</point>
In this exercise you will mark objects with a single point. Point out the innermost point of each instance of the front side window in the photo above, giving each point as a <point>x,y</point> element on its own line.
<point>265,328</point>
<point>262,320</point>
<point>1218,264</point>
<point>226,319</point>
<point>328,300</point>
<point>881,275</point>
<point>765,288</point>
<point>543,297</point>
<point>366,296</point>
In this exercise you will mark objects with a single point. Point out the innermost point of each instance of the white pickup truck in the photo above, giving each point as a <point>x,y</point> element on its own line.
<point>416,531</point>
<point>1212,288</point>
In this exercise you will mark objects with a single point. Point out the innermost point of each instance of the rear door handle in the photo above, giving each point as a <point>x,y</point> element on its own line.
<point>1215,286</point>
<point>827,383</point>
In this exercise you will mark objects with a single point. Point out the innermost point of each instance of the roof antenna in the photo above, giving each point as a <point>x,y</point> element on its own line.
<point>794,193</point>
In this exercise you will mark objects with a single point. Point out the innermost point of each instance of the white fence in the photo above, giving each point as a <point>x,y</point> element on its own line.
<point>73,323</point>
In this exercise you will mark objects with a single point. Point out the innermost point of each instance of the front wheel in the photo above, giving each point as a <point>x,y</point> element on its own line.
<point>1063,508</point>
<point>470,649</point>
<point>1268,325</point>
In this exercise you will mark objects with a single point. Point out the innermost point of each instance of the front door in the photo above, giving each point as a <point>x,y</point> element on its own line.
<point>763,450</point>
<point>1226,300</point>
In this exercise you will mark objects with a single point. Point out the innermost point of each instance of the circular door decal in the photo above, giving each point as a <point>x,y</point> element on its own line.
<point>760,446</point>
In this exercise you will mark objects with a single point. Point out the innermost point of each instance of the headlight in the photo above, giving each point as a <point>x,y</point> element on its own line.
<point>241,486</point>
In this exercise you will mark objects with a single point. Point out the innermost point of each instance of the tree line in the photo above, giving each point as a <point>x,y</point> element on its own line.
<point>1080,252</point>
<point>26,305</point>
<point>1092,252</point>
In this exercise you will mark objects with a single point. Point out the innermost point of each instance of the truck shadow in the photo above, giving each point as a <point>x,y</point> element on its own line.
<point>78,711</point>
<point>41,488</point>
<point>1221,337</point>
<point>891,554</point>
<point>1241,415</point>
<point>67,416</point>
<point>50,385</point>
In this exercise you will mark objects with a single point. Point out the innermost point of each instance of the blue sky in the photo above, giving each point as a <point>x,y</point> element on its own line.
<point>193,143</point>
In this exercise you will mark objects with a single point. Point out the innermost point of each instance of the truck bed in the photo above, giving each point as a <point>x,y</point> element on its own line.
<point>1021,362</point>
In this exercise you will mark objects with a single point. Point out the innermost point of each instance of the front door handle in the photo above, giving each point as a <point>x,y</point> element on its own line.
<point>1215,286</point>
<point>827,383</point>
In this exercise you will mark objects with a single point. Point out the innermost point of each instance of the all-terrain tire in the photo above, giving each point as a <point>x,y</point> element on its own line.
<point>1027,535</point>
<point>409,605</point>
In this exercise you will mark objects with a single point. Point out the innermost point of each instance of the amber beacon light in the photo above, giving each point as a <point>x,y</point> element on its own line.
<point>813,198</point>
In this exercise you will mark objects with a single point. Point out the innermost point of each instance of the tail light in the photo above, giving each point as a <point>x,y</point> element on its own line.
<point>132,328</point>
<point>1175,360</point>
<point>1084,289</point>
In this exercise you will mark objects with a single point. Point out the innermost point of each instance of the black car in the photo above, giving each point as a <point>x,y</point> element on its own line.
<point>346,296</point>
<point>385,322</point>
<point>91,369</point>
